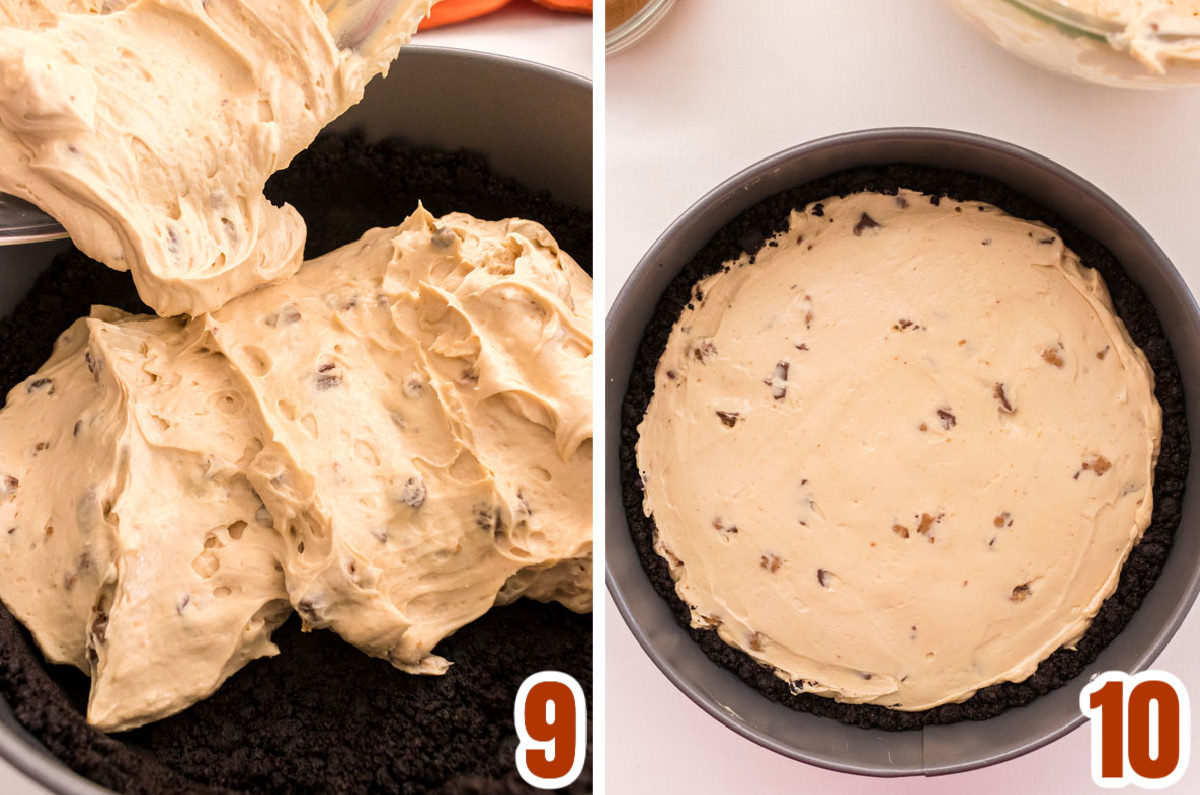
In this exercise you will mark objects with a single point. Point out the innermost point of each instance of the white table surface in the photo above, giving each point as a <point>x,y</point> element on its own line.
<point>710,91</point>
<point>521,30</point>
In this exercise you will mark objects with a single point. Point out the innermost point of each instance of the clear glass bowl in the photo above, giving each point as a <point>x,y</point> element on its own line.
<point>636,26</point>
<point>1057,37</point>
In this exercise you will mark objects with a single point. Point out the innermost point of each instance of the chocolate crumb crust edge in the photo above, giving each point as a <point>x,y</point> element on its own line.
<point>747,234</point>
<point>321,716</point>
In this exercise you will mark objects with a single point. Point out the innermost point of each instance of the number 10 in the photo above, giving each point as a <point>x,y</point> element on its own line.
<point>1141,728</point>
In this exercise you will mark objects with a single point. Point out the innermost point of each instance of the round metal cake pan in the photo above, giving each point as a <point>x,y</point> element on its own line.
<point>823,741</point>
<point>534,124</point>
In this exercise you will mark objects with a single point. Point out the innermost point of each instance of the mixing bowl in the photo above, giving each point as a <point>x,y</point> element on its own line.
<point>1075,43</point>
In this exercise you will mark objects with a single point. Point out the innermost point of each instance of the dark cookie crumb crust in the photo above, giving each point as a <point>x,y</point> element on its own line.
<point>747,234</point>
<point>320,717</point>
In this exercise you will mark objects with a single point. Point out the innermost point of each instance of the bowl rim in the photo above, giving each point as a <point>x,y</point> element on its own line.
<point>513,61</point>
<point>635,26</point>
<point>616,524</point>
<point>18,746</point>
<point>1073,21</point>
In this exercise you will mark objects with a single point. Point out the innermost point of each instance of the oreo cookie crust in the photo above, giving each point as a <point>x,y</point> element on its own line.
<point>321,716</point>
<point>747,234</point>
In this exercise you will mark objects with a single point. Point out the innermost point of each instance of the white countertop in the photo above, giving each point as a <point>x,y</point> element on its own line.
<point>710,91</point>
<point>521,30</point>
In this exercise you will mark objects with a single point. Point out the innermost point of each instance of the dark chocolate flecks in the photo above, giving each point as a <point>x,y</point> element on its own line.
<point>904,324</point>
<point>414,492</point>
<point>289,315</point>
<point>708,622</point>
<point>309,610</point>
<point>413,387</point>
<point>925,526</point>
<point>99,629</point>
<point>8,487</point>
<point>1097,464</point>
<point>728,418</point>
<point>488,519</point>
<point>778,380</point>
<point>865,222</point>
<point>443,237</point>
<point>1000,392</point>
<point>45,385</point>
<point>704,350</point>
<point>327,378</point>
<point>523,510</point>
<point>946,418</point>
<point>720,525</point>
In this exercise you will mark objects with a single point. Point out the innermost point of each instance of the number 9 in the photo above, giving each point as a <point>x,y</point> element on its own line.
<point>551,718</point>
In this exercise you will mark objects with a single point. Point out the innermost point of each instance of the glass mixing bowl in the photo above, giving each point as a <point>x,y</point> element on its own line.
<point>1155,52</point>
<point>626,21</point>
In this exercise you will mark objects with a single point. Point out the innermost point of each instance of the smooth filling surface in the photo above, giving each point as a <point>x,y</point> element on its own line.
<point>148,128</point>
<point>390,442</point>
<point>902,452</point>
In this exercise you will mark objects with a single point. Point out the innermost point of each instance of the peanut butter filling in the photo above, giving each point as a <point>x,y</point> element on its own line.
<point>902,452</point>
<point>1153,31</point>
<point>149,128</point>
<point>390,442</point>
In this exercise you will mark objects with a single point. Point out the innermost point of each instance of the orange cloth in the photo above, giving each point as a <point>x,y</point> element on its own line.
<point>449,12</point>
